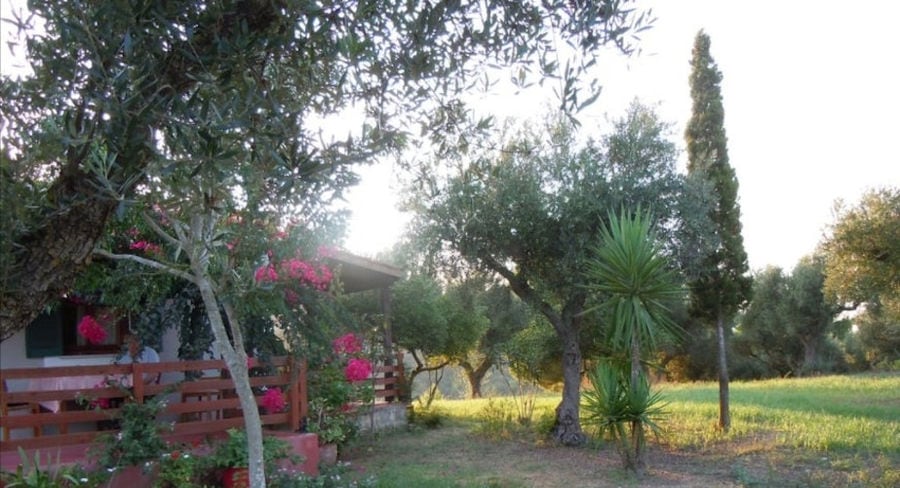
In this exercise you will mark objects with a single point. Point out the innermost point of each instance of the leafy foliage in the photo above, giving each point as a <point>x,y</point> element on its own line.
<point>530,210</point>
<point>631,273</point>
<point>622,409</point>
<point>862,266</point>
<point>233,94</point>
<point>789,326</point>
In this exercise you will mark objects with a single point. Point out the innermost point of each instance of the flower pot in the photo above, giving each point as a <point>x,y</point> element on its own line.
<point>328,454</point>
<point>236,478</point>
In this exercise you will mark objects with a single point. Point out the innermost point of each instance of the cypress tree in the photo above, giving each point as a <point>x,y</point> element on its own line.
<point>722,286</point>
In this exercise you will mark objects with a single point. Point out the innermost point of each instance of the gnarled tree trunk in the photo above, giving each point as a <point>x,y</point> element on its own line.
<point>567,429</point>
<point>53,255</point>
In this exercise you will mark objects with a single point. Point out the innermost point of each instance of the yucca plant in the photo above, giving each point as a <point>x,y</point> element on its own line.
<point>634,284</point>
<point>623,410</point>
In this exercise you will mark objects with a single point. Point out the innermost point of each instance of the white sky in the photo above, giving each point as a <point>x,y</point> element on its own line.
<point>811,91</point>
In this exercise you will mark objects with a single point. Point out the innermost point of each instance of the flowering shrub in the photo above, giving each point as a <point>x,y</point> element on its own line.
<point>315,276</point>
<point>346,344</point>
<point>358,369</point>
<point>335,394</point>
<point>179,469</point>
<point>273,400</point>
<point>266,274</point>
<point>101,403</point>
<point>148,247</point>
<point>91,330</point>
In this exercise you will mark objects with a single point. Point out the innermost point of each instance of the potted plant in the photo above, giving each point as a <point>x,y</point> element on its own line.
<point>333,430</point>
<point>231,456</point>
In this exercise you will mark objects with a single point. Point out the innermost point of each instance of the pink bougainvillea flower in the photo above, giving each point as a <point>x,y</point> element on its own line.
<point>266,274</point>
<point>347,344</point>
<point>291,297</point>
<point>273,400</point>
<point>326,252</point>
<point>358,369</point>
<point>91,330</point>
<point>307,273</point>
<point>100,402</point>
<point>145,246</point>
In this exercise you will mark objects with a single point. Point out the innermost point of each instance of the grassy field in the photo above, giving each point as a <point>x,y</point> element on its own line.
<point>831,432</point>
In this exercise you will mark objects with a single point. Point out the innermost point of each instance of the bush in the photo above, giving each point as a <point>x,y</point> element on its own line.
<point>429,418</point>
<point>496,420</point>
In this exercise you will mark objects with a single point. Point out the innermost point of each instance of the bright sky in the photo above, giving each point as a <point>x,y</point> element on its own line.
<point>811,102</point>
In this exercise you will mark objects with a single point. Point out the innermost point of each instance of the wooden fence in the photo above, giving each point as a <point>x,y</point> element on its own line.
<point>205,405</point>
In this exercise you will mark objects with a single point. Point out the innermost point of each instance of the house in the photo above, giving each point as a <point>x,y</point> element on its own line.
<point>51,349</point>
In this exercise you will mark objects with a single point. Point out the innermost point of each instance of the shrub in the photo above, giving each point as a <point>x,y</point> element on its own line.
<point>429,418</point>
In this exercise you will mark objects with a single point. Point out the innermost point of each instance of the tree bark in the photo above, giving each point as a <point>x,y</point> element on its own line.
<point>233,354</point>
<point>53,257</point>
<point>810,356</point>
<point>567,430</point>
<point>475,375</point>
<point>724,413</point>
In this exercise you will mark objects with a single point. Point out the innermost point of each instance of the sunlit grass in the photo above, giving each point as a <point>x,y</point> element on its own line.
<point>845,413</point>
<point>829,432</point>
<point>860,413</point>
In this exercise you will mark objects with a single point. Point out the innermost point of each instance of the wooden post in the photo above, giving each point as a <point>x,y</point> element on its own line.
<point>137,381</point>
<point>388,337</point>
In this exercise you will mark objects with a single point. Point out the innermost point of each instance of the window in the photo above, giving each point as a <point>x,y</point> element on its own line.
<point>55,333</point>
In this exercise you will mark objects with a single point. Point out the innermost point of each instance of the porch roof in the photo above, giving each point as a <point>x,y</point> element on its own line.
<point>360,274</point>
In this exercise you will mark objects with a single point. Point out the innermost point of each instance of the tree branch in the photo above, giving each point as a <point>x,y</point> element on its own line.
<point>521,287</point>
<point>146,262</point>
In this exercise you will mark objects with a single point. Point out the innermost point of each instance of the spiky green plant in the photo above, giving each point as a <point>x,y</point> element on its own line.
<point>631,278</point>
<point>622,409</point>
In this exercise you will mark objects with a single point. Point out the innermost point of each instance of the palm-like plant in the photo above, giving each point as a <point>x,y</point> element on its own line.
<point>630,273</point>
<point>614,405</point>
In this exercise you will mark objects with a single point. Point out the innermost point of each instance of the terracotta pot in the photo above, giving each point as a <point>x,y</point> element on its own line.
<point>236,478</point>
<point>328,454</point>
<point>132,477</point>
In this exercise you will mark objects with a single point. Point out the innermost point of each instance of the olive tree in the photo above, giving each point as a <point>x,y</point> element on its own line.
<point>530,210</point>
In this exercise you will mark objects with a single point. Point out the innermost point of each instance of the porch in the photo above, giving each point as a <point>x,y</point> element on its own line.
<point>47,412</point>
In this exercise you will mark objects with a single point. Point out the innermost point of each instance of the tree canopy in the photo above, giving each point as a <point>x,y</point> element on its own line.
<point>231,95</point>
<point>862,267</point>
<point>785,330</point>
<point>530,210</point>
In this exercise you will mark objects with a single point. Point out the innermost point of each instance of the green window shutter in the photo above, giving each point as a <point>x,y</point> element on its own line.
<point>44,336</point>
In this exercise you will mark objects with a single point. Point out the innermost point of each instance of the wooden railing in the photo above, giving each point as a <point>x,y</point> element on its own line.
<point>388,382</point>
<point>196,407</point>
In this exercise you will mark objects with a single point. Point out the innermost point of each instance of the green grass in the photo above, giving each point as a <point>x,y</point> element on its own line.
<point>811,432</point>
<point>843,413</point>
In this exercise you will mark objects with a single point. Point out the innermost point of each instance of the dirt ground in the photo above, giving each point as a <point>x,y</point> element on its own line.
<point>453,456</point>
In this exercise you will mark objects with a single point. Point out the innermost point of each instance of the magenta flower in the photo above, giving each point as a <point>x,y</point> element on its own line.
<point>266,273</point>
<point>326,252</point>
<point>273,400</point>
<point>145,246</point>
<point>347,344</point>
<point>91,330</point>
<point>307,273</point>
<point>291,297</point>
<point>358,370</point>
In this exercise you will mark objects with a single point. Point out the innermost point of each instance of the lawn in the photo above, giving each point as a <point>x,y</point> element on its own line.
<point>831,431</point>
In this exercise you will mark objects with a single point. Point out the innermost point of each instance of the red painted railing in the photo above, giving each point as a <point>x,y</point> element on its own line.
<point>201,406</point>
